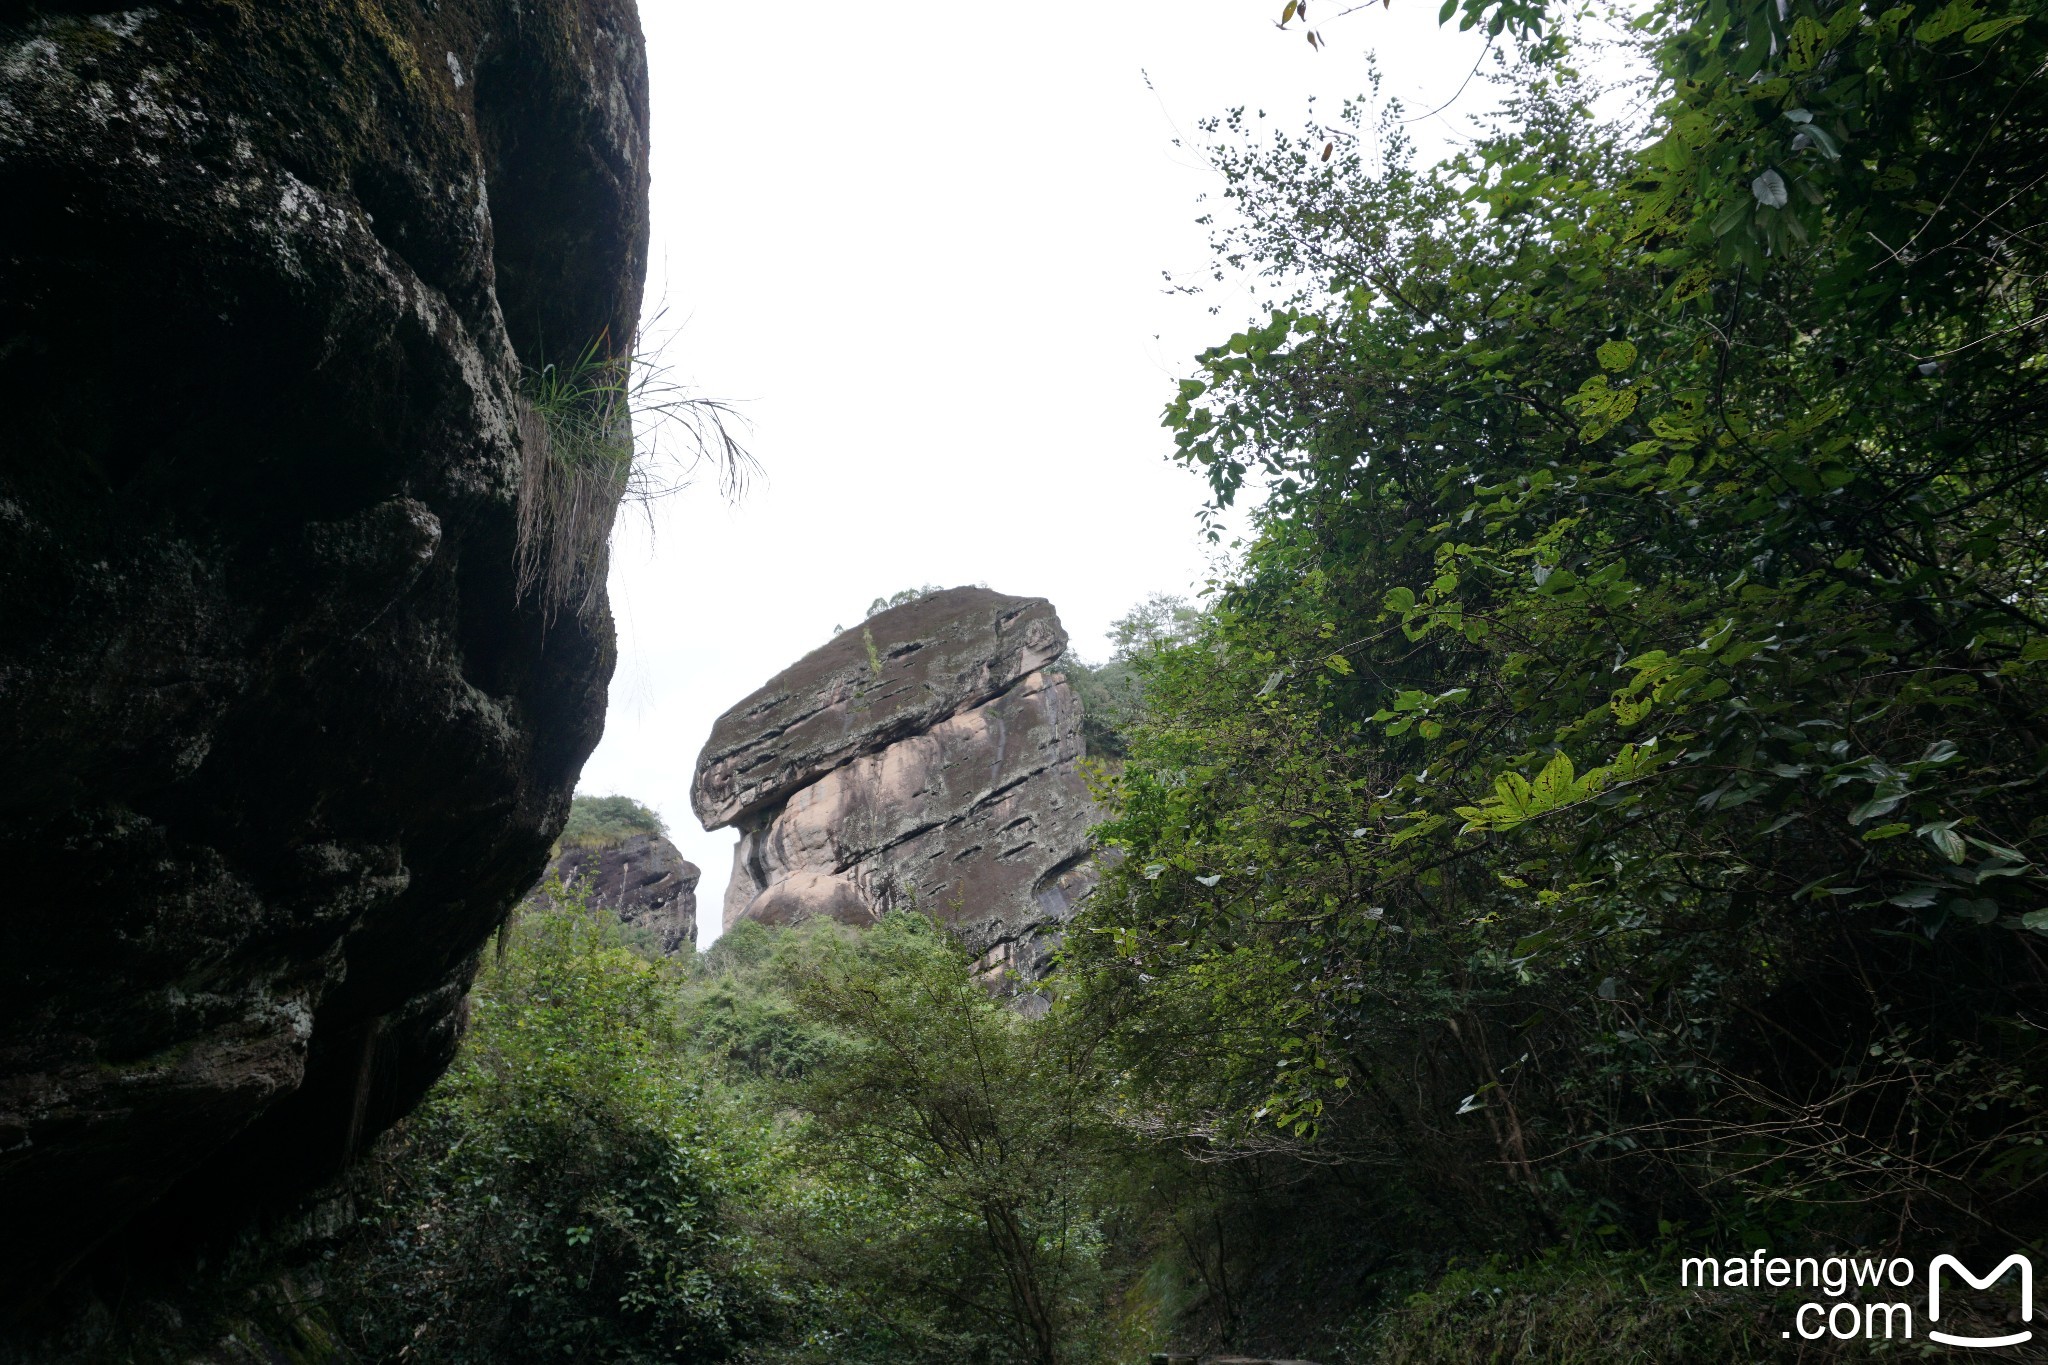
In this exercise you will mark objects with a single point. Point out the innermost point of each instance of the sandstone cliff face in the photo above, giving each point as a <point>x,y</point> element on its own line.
<point>645,881</point>
<point>925,758</point>
<point>280,741</point>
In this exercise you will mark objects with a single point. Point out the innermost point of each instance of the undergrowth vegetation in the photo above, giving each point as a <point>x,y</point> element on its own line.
<point>566,1192</point>
<point>805,1147</point>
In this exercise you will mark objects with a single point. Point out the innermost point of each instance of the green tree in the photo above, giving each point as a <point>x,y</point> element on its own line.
<point>607,821</point>
<point>1112,694</point>
<point>953,1149</point>
<point>903,598</point>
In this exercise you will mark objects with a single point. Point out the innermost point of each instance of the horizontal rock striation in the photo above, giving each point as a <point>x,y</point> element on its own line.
<point>903,671</point>
<point>926,758</point>
<point>280,738</point>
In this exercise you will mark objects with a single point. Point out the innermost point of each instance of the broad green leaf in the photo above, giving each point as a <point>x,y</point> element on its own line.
<point>1627,712</point>
<point>1985,32</point>
<point>1945,840</point>
<point>1808,40</point>
<point>1882,804</point>
<point>1553,786</point>
<point>1953,17</point>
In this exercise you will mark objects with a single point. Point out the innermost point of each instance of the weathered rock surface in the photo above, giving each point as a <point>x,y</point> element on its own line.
<point>280,741</point>
<point>924,758</point>
<point>899,674</point>
<point>645,881</point>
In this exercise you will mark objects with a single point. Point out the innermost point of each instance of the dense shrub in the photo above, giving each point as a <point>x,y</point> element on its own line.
<point>607,821</point>
<point>565,1193</point>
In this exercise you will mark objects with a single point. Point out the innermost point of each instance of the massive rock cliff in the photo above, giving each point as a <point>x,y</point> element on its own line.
<point>280,737</point>
<point>924,758</point>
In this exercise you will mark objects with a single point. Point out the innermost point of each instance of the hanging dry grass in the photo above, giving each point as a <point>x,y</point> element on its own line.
<point>598,433</point>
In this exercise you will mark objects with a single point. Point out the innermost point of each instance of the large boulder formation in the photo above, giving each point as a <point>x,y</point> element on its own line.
<point>281,736</point>
<point>643,879</point>
<point>615,855</point>
<point>925,758</point>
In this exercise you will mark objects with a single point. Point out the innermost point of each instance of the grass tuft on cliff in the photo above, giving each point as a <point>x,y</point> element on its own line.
<point>599,431</point>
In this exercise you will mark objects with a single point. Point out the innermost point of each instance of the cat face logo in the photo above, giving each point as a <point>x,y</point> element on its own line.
<point>2026,1269</point>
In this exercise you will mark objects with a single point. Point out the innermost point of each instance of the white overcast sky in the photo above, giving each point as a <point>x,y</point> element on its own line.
<point>920,246</point>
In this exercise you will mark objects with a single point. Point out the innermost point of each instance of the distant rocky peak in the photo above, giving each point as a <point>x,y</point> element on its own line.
<point>642,878</point>
<point>898,673</point>
<point>923,759</point>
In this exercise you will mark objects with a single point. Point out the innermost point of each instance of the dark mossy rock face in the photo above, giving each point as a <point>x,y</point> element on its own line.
<point>280,741</point>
